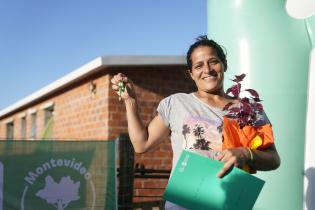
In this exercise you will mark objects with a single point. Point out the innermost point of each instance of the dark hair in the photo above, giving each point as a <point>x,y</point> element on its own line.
<point>204,41</point>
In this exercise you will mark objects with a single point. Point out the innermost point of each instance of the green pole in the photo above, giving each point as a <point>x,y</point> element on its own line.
<point>273,50</point>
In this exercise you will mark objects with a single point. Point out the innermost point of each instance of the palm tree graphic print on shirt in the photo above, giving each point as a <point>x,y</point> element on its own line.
<point>202,134</point>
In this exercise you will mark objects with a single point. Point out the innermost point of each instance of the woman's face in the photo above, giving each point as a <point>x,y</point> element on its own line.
<point>207,70</point>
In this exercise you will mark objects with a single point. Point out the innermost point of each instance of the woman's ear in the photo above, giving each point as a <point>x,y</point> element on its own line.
<point>189,73</point>
<point>225,67</point>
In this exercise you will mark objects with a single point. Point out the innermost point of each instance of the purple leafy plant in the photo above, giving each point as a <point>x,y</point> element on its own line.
<point>246,111</point>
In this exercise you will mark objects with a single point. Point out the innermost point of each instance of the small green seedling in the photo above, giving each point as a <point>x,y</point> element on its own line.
<point>121,90</point>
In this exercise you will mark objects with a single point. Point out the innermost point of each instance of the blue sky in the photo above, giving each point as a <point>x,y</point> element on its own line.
<point>43,40</point>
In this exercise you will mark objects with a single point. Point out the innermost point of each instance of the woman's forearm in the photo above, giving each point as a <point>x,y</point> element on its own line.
<point>142,137</point>
<point>265,160</point>
<point>138,133</point>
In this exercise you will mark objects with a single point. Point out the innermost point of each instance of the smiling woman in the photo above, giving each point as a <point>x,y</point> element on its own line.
<point>194,121</point>
<point>207,70</point>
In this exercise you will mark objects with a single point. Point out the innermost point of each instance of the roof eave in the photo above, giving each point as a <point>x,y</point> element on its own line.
<point>90,68</point>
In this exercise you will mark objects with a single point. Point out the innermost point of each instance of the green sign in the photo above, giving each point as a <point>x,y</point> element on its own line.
<point>62,175</point>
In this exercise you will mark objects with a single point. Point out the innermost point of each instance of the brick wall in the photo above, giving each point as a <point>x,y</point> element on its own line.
<point>151,85</point>
<point>78,112</point>
<point>82,114</point>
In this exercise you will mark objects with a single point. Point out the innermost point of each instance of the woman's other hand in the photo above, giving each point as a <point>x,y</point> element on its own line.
<point>237,157</point>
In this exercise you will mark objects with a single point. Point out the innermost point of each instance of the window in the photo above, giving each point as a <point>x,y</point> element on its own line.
<point>48,114</point>
<point>23,128</point>
<point>49,122</point>
<point>33,126</point>
<point>10,130</point>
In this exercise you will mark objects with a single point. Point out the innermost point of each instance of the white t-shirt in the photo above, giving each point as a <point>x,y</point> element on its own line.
<point>194,125</point>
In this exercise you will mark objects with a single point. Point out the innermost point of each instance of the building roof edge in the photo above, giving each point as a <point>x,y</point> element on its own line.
<point>89,68</point>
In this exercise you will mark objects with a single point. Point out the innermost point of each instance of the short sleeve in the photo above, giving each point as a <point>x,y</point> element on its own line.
<point>262,119</point>
<point>164,109</point>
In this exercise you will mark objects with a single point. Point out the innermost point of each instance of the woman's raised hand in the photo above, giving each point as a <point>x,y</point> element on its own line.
<point>123,86</point>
